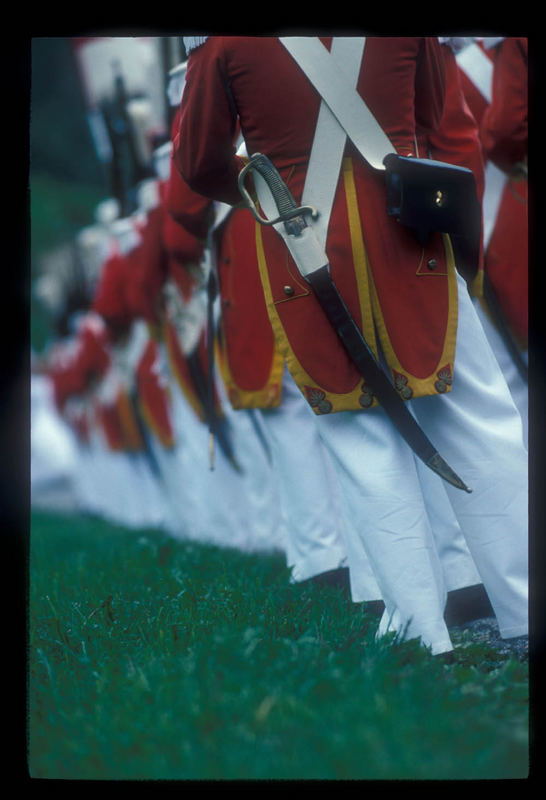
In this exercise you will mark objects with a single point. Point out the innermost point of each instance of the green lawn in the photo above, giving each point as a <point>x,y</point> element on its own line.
<point>156,659</point>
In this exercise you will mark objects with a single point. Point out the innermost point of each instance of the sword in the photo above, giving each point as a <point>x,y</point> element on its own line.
<point>333,305</point>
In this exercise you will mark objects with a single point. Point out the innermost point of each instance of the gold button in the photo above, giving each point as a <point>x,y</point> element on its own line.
<point>289,290</point>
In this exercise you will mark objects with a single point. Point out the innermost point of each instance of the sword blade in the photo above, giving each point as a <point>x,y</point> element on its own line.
<point>363,358</point>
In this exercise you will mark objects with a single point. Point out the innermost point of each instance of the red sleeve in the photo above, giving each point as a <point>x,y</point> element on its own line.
<point>207,106</point>
<point>146,269</point>
<point>188,208</point>
<point>504,125</point>
<point>180,244</point>
<point>457,138</point>
<point>94,357</point>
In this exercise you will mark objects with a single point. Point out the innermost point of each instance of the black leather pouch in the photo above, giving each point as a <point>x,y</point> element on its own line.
<point>432,196</point>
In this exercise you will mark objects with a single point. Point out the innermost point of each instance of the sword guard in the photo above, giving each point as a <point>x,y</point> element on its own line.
<point>269,173</point>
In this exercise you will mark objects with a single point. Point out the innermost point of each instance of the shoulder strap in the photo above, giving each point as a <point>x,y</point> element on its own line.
<point>329,140</point>
<point>479,68</point>
<point>328,144</point>
<point>342,99</point>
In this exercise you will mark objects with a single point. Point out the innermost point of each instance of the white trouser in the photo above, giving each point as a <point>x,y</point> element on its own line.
<point>318,543</point>
<point>458,567</point>
<point>519,389</point>
<point>265,526</point>
<point>477,429</point>
<point>211,503</point>
<point>125,488</point>
<point>314,539</point>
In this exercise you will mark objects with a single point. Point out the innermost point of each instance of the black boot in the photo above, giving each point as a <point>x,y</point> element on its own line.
<point>334,578</point>
<point>467,604</point>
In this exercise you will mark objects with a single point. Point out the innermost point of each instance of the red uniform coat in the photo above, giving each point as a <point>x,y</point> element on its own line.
<point>129,290</point>
<point>111,300</point>
<point>184,231</point>
<point>193,212</point>
<point>401,295</point>
<point>80,374</point>
<point>154,396</point>
<point>148,265</point>
<point>473,96</point>
<point>250,365</point>
<point>73,372</point>
<point>457,139</point>
<point>504,138</point>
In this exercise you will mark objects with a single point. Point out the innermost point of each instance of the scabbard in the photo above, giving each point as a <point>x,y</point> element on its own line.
<point>364,359</point>
<point>218,426</point>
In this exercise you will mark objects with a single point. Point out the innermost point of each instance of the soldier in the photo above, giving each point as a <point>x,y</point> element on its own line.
<point>504,138</point>
<point>309,529</point>
<point>494,78</point>
<point>409,301</point>
<point>253,370</point>
<point>455,141</point>
<point>177,318</point>
<point>74,367</point>
<point>135,471</point>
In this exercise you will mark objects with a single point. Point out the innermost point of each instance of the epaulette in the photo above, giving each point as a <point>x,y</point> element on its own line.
<point>193,42</point>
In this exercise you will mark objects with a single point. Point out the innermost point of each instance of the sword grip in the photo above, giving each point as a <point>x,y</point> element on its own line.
<point>278,188</point>
<point>288,210</point>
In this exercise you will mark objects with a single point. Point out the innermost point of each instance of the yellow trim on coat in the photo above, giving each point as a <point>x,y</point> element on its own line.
<point>360,259</point>
<point>339,402</point>
<point>268,396</point>
<point>422,387</point>
<point>370,313</point>
<point>476,287</point>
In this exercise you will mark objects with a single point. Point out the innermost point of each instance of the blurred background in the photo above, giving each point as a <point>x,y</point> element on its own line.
<point>87,113</point>
<point>97,107</point>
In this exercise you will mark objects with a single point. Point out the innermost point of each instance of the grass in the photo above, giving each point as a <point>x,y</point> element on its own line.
<point>155,659</point>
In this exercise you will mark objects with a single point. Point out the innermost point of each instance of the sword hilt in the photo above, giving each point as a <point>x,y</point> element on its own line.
<point>289,211</point>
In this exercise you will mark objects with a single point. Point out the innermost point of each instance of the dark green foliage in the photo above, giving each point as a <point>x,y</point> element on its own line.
<point>58,211</point>
<point>61,144</point>
<point>66,181</point>
<point>151,658</point>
